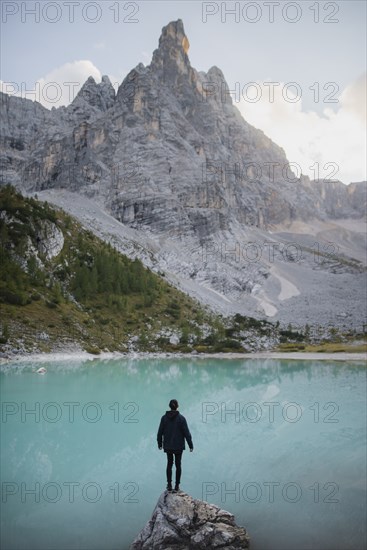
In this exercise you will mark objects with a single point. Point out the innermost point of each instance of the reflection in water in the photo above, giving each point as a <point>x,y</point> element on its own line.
<point>281,444</point>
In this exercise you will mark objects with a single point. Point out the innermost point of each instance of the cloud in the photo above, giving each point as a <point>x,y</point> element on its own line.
<point>354,96</point>
<point>334,140</point>
<point>58,87</point>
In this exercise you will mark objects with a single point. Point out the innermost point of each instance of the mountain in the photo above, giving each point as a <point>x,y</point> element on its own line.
<point>61,288</point>
<point>168,149</point>
<point>203,194</point>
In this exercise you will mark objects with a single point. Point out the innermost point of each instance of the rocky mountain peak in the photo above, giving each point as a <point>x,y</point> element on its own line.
<point>171,56</point>
<point>215,86</point>
<point>174,32</point>
<point>100,96</point>
<point>107,91</point>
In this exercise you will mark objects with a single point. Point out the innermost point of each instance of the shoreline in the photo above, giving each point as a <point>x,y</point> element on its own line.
<point>84,356</point>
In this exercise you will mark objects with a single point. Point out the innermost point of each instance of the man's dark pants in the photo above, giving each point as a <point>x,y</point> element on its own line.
<point>176,455</point>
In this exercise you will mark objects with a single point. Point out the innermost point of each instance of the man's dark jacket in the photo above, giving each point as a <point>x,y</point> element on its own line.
<point>173,430</point>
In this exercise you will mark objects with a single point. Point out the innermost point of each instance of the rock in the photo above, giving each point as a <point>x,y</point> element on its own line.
<point>180,522</point>
<point>50,239</point>
<point>174,339</point>
<point>339,200</point>
<point>100,96</point>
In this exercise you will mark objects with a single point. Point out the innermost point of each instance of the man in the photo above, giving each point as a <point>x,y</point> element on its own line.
<point>173,430</point>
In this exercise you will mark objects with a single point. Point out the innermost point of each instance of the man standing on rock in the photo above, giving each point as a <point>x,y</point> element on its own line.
<point>173,431</point>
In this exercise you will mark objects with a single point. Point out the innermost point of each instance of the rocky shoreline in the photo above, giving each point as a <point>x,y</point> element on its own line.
<point>84,356</point>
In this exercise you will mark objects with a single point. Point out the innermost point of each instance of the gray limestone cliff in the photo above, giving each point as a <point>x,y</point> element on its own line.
<point>180,522</point>
<point>169,151</point>
<point>205,197</point>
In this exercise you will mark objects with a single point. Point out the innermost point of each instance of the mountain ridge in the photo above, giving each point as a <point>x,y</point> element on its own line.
<point>198,111</point>
<point>171,157</point>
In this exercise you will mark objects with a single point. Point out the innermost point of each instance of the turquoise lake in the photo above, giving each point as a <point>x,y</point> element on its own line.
<point>280,444</point>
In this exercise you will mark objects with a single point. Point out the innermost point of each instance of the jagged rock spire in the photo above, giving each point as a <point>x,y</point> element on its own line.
<point>174,34</point>
<point>171,55</point>
<point>101,95</point>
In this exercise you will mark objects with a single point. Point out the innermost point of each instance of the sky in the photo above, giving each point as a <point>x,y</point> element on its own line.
<point>297,70</point>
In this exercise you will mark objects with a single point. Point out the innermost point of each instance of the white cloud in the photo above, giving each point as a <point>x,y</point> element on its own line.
<point>64,82</point>
<point>354,97</point>
<point>337,137</point>
<point>58,87</point>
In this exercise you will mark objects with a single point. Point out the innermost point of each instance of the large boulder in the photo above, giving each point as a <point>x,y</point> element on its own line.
<point>180,522</point>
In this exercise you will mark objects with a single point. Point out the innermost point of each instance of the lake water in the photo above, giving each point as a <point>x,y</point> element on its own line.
<point>280,444</point>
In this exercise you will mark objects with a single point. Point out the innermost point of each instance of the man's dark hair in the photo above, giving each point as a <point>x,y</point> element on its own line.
<point>173,404</point>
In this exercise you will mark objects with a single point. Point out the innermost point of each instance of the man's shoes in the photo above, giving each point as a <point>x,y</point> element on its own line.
<point>176,489</point>
<point>169,487</point>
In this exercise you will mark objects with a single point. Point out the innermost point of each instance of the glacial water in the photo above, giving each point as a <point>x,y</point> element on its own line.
<point>280,444</point>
